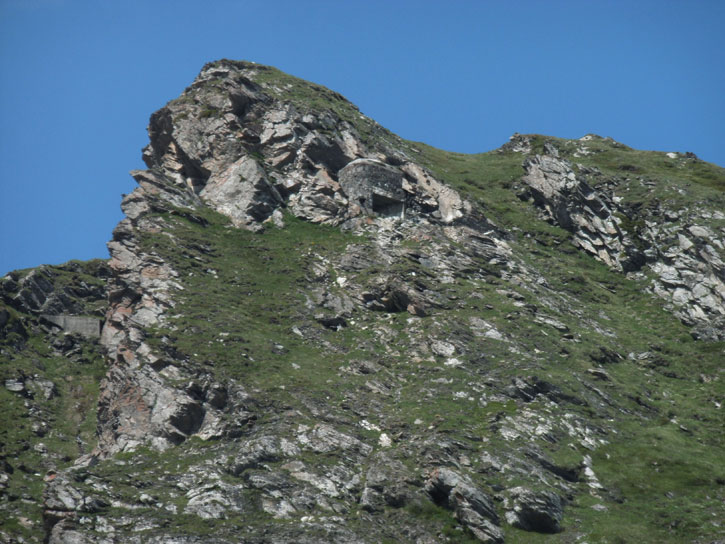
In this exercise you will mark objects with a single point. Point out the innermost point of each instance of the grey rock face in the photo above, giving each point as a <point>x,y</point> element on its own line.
<point>690,275</point>
<point>243,193</point>
<point>375,187</point>
<point>137,406</point>
<point>385,484</point>
<point>264,449</point>
<point>571,203</point>
<point>35,289</point>
<point>217,146</point>
<point>37,292</point>
<point>473,508</point>
<point>540,512</point>
<point>518,143</point>
<point>62,502</point>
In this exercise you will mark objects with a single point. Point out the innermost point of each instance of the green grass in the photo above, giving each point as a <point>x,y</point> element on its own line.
<point>230,322</point>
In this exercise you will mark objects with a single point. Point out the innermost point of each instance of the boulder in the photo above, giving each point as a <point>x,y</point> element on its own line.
<point>540,512</point>
<point>375,187</point>
<point>472,507</point>
<point>243,193</point>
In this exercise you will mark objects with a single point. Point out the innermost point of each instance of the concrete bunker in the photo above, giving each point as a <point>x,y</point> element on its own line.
<point>87,326</point>
<point>386,206</point>
<point>374,186</point>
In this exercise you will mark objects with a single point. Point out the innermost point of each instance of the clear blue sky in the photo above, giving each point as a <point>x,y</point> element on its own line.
<point>81,77</point>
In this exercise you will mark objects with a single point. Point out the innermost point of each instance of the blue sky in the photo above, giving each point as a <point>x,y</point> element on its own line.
<point>79,79</point>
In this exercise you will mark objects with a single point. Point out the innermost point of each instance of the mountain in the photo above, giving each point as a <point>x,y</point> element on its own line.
<point>312,330</point>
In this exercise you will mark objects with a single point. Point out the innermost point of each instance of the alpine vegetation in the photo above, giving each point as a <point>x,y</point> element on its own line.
<point>316,331</point>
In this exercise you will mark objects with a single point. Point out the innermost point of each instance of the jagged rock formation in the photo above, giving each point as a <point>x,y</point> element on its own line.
<point>690,274</point>
<point>572,204</point>
<point>39,291</point>
<point>215,145</point>
<point>319,332</point>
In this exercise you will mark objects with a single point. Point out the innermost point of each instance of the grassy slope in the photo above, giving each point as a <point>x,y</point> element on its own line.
<point>255,296</point>
<point>670,480</point>
<point>661,480</point>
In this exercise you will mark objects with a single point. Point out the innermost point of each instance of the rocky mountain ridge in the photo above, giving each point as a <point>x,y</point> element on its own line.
<point>317,331</point>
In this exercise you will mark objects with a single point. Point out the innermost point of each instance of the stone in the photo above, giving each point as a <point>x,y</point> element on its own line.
<point>681,296</point>
<point>442,348</point>
<point>518,143</point>
<point>599,374</point>
<point>571,203</point>
<point>540,512</point>
<point>428,192</point>
<point>473,508</point>
<point>416,310</point>
<point>700,232</point>
<point>449,488</point>
<point>265,449</point>
<point>594,221</point>
<point>546,320</point>
<point>684,242</point>
<point>45,389</point>
<point>375,187</point>
<point>243,193</point>
<point>209,502</point>
<point>550,149</point>
<point>325,438</point>
<point>15,385</point>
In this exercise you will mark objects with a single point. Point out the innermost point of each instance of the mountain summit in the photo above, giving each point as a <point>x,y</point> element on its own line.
<point>316,331</point>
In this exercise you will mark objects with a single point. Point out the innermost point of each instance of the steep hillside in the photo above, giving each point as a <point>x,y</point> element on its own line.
<point>49,376</point>
<point>319,332</point>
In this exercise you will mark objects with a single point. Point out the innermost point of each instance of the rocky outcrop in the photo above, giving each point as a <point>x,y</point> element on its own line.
<point>690,273</point>
<point>569,202</point>
<point>540,512</point>
<point>473,508</point>
<point>242,192</point>
<point>139,293</point>
<point>52,289</point>
<point>685,258</point>
<point>230,145</point>
<point>374,187</point>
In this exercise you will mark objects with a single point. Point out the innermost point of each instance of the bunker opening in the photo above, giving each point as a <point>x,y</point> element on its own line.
<point>387,206</point>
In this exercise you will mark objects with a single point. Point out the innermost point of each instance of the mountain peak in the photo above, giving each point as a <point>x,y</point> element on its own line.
<point>317,331</point>
<point>247,140</point>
